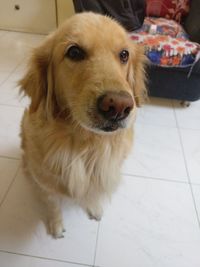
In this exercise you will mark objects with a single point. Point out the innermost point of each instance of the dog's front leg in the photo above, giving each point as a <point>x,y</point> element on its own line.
<point>93,207</point>
<point>54,215</point>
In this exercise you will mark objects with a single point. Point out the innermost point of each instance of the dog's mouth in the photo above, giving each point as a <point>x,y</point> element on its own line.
<point>111,126</point>
<point>102,126</point>
<point>98,124</point>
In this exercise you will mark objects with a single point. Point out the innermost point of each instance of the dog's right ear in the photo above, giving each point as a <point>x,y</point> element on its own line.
<point>137,74</point>
<point>36,83</point>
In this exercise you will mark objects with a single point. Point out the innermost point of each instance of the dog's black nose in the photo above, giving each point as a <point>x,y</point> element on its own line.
<point>115,106</point>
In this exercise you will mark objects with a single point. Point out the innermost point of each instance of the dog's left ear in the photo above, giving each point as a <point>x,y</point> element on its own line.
<point>38,82</point>
<point>137,75</point>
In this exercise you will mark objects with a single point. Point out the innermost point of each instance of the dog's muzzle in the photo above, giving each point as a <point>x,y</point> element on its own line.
<point>114,108</point>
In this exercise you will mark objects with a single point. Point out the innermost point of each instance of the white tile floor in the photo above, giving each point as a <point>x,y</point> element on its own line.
<point>152,220</point>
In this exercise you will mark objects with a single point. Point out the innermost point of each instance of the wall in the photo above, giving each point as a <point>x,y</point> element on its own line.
<point>65,9</point>
<point>36,16</point>
<point>28,15</point>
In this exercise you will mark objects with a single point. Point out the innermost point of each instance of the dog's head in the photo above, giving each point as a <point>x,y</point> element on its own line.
<point>88,70</point>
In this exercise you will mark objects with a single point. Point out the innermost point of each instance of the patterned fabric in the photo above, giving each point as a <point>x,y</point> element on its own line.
<point>166,44</point>
<point>162,26</point>
<point>170,9</point>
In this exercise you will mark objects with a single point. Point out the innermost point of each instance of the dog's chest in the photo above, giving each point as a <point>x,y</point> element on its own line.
<point>81,169</point>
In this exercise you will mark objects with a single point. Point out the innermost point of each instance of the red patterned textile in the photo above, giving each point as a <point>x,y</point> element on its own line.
<point>170,9</point>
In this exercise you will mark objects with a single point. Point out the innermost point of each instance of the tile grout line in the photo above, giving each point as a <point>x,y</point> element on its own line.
<point>13,106</point>
<point>172,105</point>
<point>9,187</point>
<point>96,244</point>
<point>11,158</point>
<point>7,31</point>
<point>9,75</point>
<point>196,184</point>
<point>155,178</point>
<point>190,129</point>
<point>156,125</point>
<point>166,126</point>
<point>4,81</point>
<point>187,171</point>
<point>12,71</point>
<point>44,258</point>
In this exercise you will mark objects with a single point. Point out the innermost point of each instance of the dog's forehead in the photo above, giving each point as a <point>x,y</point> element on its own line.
<point>91,29</point>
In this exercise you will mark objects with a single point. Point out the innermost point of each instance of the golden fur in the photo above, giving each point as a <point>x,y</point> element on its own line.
<point>64,154</point>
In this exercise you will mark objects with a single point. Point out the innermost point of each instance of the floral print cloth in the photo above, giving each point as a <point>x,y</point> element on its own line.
<point>166,43</point>
<point>170,9</point>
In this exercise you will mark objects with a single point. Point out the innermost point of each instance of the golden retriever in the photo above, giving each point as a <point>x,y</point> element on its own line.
<point>85,82</point>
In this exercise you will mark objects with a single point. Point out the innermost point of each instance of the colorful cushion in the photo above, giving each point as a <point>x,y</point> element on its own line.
<point>170,9</point>
<point>166,44</point>
<point>162,26</point>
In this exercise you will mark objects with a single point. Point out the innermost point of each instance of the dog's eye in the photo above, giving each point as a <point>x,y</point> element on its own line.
<point>75,53</point>
<point>124,55</point>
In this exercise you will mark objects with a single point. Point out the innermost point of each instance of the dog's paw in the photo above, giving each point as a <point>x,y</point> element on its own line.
<point>56,229</point>
<point>96,216</point>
